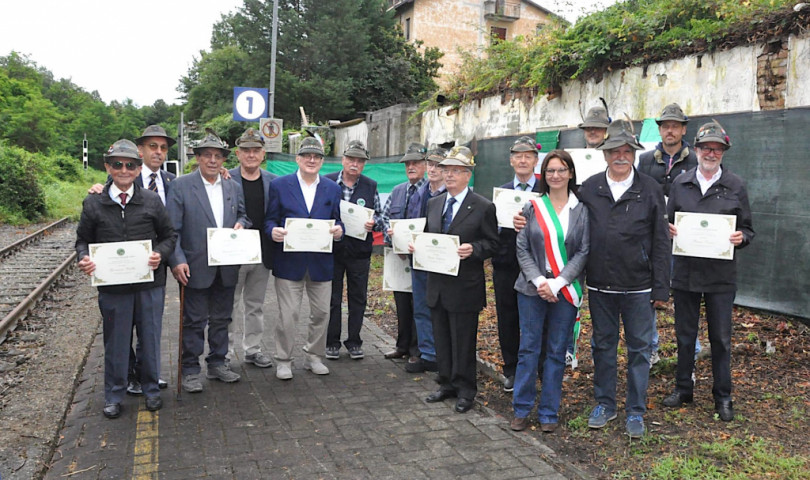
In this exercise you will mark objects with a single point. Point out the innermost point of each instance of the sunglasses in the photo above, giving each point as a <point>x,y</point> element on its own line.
<point>120,165</point>
<point>163,147</point>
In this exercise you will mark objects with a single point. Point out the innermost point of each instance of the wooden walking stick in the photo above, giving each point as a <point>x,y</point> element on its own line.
<point>180,342</point>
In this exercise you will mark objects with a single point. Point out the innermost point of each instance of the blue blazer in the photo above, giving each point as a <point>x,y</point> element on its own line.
<point>191,214</point>
<point>287,201</point>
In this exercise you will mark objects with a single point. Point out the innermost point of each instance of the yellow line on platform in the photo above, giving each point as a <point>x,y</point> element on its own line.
<point>145,463</point>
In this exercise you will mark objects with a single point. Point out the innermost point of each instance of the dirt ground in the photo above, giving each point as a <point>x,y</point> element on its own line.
<point>771,374</point>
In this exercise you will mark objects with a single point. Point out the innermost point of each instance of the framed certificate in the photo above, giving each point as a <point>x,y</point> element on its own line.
<point>588,162</point>
<point>121,263</point>
<point>704,235</point>
<point>354,218</point>
<point>437,253</point>
<point>508,203</point>
<point>308,235</point>
<point>227,246</point>
<point>396,272</point>
<point>403,231</point>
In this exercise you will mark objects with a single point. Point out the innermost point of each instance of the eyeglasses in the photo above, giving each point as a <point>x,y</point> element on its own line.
<point>208,156</point>
<point>716,151</point>
<point>551,171</point>
<point>311,156</point>
<point>163,147</point>
<point>120,165</point>
<point>455,171</point>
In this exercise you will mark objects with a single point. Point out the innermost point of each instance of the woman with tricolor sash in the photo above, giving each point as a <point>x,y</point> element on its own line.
<point>552,251</point>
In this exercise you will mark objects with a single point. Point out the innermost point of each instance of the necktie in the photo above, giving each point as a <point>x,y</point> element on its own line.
<point>523,186</point>
<point>152,182</point>
<point>123,197</point>
<point>408,195</point>
<point>447,218</point>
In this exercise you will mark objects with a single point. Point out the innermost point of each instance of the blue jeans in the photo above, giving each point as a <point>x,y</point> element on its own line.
<point>534,313</point>
<point>421,316</point>
<point>633,309</point>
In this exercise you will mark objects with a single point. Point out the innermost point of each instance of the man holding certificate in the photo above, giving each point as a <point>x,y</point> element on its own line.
<point>301,260</point>
<point>505,268</point>
<point>707,189</point>
<point>456,301</point>
<point>125,212</point>
<point>197,202</point>
<point>352,256</point>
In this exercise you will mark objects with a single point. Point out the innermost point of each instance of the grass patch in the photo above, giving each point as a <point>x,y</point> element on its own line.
<point>735,459</point>
<point>64,199</point>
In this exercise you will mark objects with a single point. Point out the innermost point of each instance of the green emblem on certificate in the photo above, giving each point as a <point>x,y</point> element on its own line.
<point>704,223</point>
<point>407,269</point>
<point>435,242</point>
<point>233,235</point>
<point>309,225</point>
<point>517,199</point>
<point>411,227</point>
<point>120,251</point>
<point>351,210</point>
<point>361,202</point>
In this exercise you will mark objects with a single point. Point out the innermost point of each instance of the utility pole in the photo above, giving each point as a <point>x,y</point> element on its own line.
<point>272,90</point>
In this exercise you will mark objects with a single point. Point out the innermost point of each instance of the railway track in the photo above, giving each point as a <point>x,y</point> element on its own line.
<point>29,267</point>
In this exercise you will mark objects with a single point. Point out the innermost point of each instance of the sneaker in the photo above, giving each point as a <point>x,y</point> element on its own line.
<point>569,359</point>
<point>192,383</point>
<point>284,371</point>
<point>134,388</point>
<point>333,353</point>
<point>635,426</point>
<point>356,353</point>
<point>314,364</point>
<point>162,384</point>
<point>509,384</point>
<point>600,416</point>
<point>654,358</point>
<point>259,359</point>
<point>223,373</point>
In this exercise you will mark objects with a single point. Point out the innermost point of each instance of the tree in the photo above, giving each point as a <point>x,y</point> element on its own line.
<point>335,58</point>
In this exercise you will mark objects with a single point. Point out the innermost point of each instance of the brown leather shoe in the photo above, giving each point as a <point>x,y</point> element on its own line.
<point>548,427</point>
<point>519,424</point>
<point>395,354</point>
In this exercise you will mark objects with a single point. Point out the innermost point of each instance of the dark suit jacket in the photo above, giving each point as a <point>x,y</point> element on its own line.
<point>287,201</point>
<point>476,224</point>
<point>191,214</point>
<point>504,257</point>
<point>267,243</point>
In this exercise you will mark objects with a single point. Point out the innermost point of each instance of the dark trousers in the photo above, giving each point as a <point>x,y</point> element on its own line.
<point>209,307</point>
<point>455,334</point>
<point>119,312</point>
<point>506,307</point>
<point>406,327</point>
<point>356,271</point>
<point>718,319</point>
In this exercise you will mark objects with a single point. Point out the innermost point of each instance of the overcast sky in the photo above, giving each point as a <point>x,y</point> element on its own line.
<point>133,49</point>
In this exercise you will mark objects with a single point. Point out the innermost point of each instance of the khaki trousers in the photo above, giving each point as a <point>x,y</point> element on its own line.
<point>290,296</point>
<point>248,300</point>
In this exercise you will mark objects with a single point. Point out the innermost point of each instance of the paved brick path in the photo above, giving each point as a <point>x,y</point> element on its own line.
<point>367,419</point>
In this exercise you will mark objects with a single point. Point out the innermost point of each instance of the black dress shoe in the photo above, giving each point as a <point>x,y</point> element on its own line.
<point>134,388</point>
<point>162,384</point>
<point>463,405</point>
<point>112,410</point>
<point>724,409</point>
<point>154,404</point>
<point>677,399</point>
<point>439,395</point>
<point>395,354</point>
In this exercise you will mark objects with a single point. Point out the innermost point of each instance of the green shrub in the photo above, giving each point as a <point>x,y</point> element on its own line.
<point>20,195</point>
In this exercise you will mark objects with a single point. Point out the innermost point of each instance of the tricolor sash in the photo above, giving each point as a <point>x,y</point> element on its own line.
<point>557,257</point>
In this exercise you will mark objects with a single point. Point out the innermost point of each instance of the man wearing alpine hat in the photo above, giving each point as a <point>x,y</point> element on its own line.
<point>628,268</point>
<point>595,126</point>
<point>125,211</point>
<point>709,188</point>
<point>456,301</point>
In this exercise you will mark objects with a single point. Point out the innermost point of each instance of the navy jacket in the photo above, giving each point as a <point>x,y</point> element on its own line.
<point>364,189</point>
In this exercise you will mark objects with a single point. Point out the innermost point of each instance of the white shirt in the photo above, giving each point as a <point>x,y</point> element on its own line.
<point>617,189</point>
<point>308,190</point>
<point>556,284</point>
<point>147,179</point>
<point>459,198</point>
<point>705,184</point>
<point>114,193</point>
<point>215,198</point>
